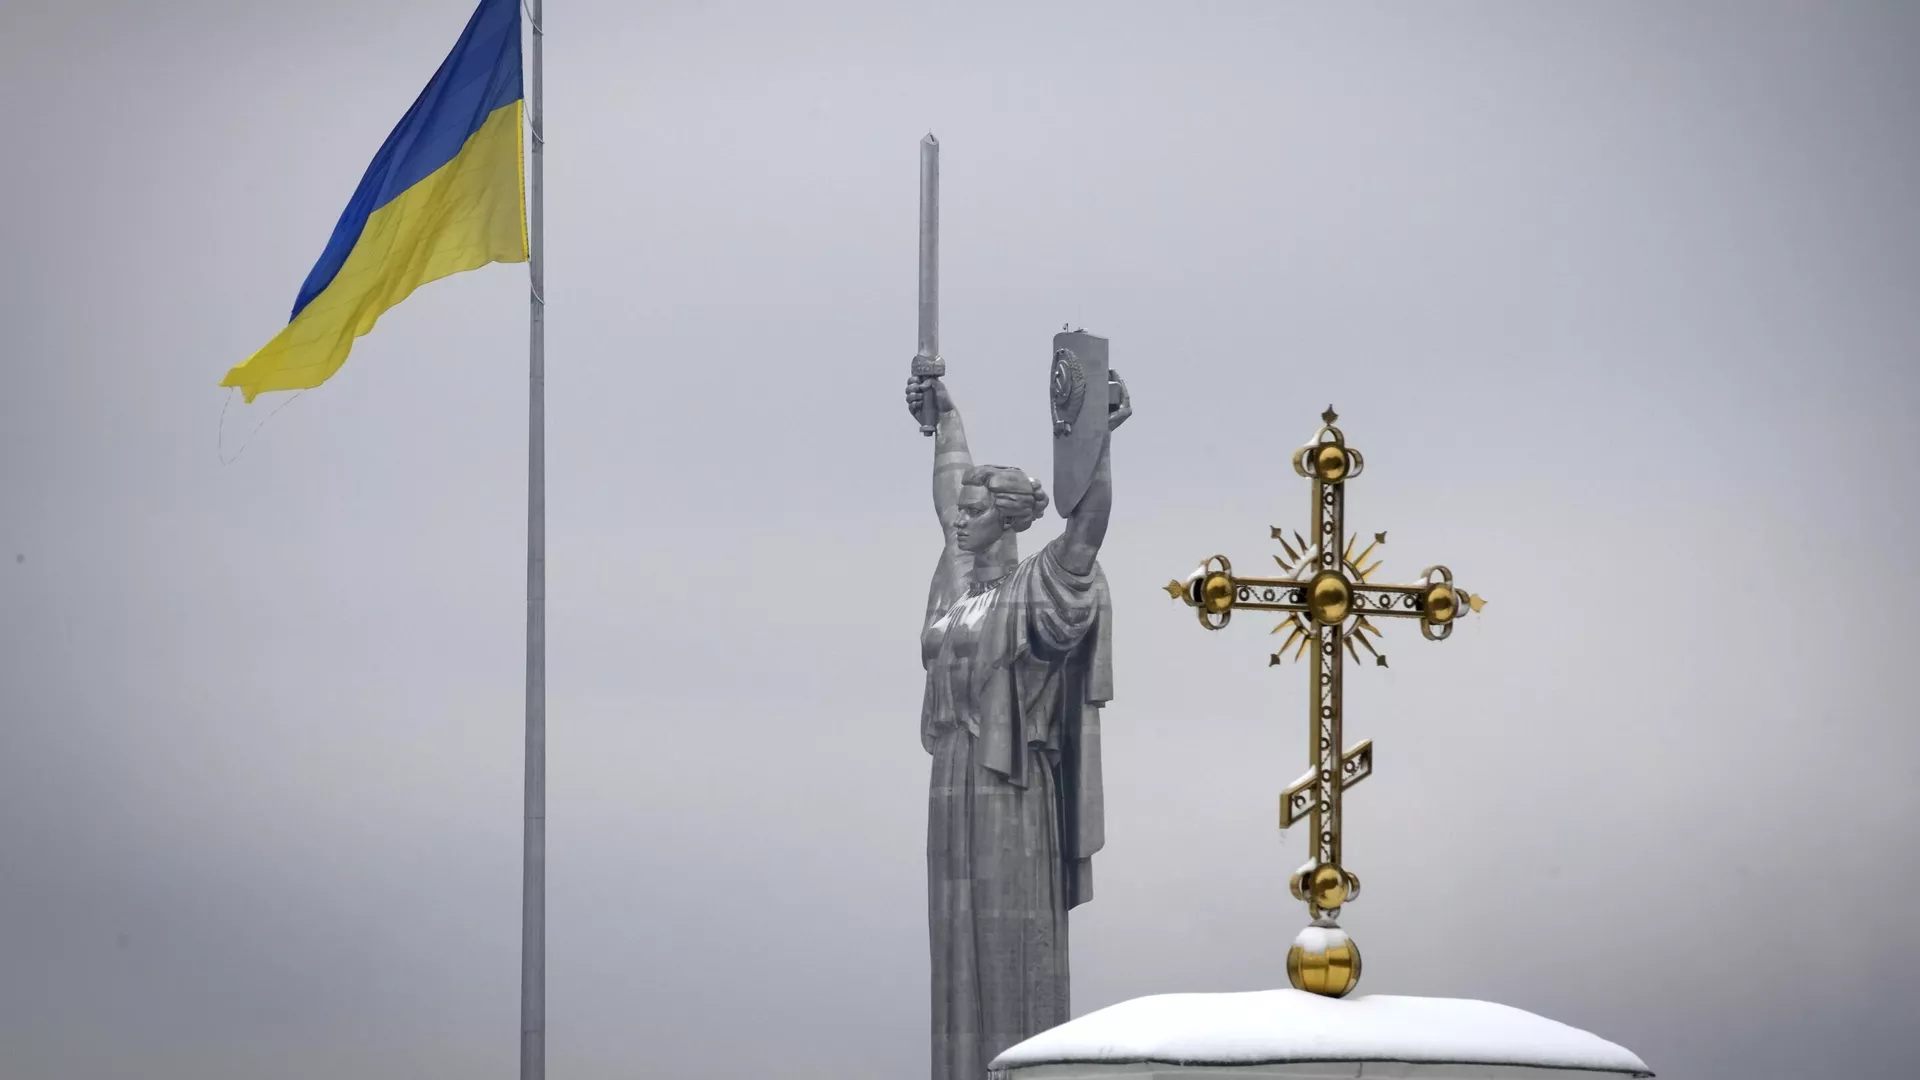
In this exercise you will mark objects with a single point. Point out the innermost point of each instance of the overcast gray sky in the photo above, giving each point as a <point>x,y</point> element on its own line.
<point>1618,299</point>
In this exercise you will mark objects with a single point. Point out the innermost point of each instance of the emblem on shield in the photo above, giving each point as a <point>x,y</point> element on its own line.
<point>1069,389</point>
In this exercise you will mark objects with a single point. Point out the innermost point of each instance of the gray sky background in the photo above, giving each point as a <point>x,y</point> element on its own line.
<point>1618,300</point>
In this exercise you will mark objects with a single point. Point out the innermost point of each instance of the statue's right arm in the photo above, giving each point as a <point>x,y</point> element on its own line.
<point>951,462</point>
<point>951,457</point>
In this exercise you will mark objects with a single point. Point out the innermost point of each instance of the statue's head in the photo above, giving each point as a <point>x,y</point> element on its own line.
<point>995,502</point>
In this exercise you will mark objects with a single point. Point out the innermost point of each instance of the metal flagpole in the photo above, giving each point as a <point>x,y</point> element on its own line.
<point>533,886</point>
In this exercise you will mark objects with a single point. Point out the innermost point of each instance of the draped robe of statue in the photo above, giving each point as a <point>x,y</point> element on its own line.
<point>1017,672</point>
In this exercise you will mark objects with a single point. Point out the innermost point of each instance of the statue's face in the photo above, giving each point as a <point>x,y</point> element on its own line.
<point>980,525</point>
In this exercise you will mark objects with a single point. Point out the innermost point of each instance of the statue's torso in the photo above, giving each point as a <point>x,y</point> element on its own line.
<point>949,646</point>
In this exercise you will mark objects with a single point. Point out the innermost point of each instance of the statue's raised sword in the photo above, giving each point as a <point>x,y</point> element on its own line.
<point>927,362</point>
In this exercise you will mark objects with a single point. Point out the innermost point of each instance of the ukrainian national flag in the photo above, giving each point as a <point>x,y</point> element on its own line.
<point>444,194</point>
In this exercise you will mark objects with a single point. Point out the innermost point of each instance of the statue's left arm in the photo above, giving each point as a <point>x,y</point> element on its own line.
<point>1086,528</point>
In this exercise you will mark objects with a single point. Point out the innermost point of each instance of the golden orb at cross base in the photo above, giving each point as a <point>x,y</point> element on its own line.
<point>1329,597</point>
<point>1330,463</point>
<point>1324,961</point>
<point>1216,594</point>
<point>1442,604</point>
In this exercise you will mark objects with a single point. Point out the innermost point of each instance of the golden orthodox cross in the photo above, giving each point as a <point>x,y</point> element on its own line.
<point>1330,604</point>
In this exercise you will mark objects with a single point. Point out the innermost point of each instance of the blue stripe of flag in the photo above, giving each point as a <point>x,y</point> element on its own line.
<point>481,74</point>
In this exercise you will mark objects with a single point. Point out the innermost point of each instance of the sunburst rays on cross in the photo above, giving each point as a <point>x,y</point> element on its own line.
<point>1298,566</point>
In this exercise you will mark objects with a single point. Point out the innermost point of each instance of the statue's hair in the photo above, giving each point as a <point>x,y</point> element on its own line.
<point>1017,496</point>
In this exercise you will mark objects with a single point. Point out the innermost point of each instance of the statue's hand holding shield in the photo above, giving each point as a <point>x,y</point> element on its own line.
<point>1119,403</point>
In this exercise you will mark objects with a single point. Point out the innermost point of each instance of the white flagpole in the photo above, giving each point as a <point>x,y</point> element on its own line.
<point>533,894</point>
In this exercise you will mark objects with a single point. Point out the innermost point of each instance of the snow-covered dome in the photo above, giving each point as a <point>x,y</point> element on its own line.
<point>1290,1033</point>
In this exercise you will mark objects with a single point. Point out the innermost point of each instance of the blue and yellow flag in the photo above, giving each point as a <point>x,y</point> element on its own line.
<point>445,193</point>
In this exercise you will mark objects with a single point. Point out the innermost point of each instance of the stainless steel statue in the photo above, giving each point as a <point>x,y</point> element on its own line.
<point>1018,655</point>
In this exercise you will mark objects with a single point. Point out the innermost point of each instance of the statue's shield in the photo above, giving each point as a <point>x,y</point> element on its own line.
<point>1079,397</point>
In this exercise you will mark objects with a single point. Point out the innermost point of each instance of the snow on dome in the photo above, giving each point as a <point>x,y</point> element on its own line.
<point>1273,1027</point>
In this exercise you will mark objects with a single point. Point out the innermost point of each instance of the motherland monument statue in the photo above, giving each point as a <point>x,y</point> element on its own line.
<point>1018,660</point>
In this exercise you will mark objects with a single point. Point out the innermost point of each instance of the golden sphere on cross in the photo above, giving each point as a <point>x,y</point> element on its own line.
<point>1330,463</point>
<point>1216,594</point>
<point>1327,887</point>
<point>1329,598</point>
<point>1442,604</point>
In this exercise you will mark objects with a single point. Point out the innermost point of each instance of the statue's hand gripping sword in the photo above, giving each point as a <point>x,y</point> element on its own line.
<point>927,362</point>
